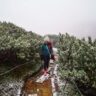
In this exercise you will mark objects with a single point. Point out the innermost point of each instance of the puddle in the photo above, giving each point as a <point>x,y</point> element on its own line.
<point>33,88</point>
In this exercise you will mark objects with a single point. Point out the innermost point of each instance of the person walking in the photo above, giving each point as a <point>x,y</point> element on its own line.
<point>45,55</point>
<point>50,46</point>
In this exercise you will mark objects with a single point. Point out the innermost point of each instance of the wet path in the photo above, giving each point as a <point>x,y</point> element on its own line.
<point>41,85</point>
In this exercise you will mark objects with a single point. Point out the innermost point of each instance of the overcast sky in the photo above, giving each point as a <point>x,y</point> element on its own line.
<point>77,17</point>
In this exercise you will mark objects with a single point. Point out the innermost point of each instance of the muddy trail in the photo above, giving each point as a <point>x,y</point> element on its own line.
<point>41,85</point>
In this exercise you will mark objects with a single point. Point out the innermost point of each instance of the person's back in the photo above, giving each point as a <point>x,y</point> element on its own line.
<point>50,46</point>
<point>45,50</point>
<point>45,55</point>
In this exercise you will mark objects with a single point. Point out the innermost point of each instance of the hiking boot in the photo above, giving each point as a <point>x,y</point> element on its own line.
<point>45,73</point>
<point>43,70</point>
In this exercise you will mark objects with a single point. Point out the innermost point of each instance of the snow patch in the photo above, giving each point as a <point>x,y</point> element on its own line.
<point>42,78</point>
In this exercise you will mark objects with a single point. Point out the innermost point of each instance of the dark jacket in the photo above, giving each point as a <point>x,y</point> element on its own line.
<point>45,50</point>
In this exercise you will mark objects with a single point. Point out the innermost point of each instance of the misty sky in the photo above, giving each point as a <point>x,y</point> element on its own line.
<point>77,17</point>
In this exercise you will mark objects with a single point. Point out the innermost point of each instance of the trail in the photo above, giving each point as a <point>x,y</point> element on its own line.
<point>41,85</point>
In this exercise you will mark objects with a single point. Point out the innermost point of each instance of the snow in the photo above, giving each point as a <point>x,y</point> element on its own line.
<point>32,95</point>
<point>42,78</point>
<point>55,50</point>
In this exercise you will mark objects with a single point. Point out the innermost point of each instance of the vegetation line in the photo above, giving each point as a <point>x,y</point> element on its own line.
<point>8,71</point>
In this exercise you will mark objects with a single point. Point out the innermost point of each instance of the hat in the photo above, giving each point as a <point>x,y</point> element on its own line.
<point>46,39</point>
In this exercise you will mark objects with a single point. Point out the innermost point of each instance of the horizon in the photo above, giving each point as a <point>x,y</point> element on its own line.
<point>86,37</point>
<point>43,17</point>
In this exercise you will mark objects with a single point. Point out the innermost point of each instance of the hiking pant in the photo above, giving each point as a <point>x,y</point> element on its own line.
<point>46,62</point>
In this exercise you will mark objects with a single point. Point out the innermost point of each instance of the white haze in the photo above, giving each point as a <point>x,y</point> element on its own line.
<point>77,17</point>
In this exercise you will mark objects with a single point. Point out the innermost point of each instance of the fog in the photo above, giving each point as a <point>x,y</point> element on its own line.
<point>77,17</point>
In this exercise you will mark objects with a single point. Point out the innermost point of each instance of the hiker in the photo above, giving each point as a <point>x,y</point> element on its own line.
<point>50,46</point>
<point>45,55</point>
